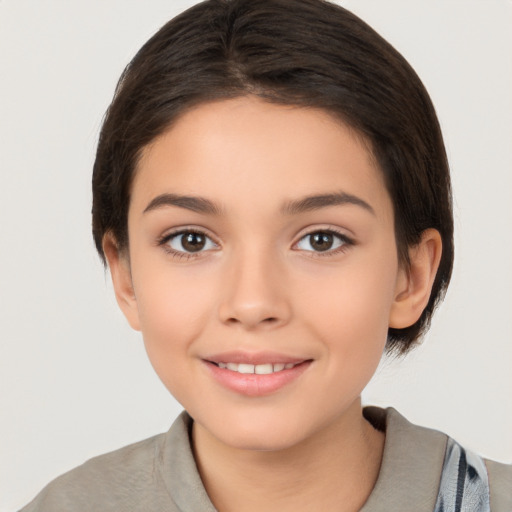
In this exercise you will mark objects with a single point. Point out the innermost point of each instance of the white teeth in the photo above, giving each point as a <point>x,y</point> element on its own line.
<point>263,369</point>
<point>245,368</point>
<point>259,369</point>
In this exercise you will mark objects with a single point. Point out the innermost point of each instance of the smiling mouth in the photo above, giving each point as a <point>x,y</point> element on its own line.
<point>258,369</point>
<point>256,375</point>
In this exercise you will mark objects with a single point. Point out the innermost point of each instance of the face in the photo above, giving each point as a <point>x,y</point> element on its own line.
<point>264,268</point>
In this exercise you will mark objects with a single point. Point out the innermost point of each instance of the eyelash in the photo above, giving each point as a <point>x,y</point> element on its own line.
<point>180,255</point>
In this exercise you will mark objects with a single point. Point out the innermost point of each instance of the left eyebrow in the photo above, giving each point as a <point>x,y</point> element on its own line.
<point>196,204</point>
<point>315,202</point>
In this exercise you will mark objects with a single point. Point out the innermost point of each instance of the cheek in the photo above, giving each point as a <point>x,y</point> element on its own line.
<point>350,308</point>
<point>173,311</point>
<point>354,329</point>
<point>170,302</point>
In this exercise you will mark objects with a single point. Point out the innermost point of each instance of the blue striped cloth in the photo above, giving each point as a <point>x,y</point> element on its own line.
<point>464,483</point>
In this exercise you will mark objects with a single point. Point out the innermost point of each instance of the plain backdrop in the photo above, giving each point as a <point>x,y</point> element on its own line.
<point>75,381</point>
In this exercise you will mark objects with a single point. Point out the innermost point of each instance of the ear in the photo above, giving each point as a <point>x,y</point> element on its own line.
<point>414,285</point>
<point>119,265</point>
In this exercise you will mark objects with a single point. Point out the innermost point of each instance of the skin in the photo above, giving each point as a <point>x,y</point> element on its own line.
<point>260,284</point>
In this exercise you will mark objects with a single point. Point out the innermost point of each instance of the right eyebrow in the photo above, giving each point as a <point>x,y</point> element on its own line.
<point>193,203</point>
<point>316,202</point>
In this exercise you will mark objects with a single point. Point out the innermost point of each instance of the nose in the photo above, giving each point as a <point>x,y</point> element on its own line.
<point>254,292</point>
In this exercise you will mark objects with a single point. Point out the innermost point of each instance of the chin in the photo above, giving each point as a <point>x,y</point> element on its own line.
<point>259,434</point>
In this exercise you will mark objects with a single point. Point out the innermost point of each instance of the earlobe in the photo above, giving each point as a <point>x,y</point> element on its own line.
<point>119,267</point>
<point>414,285</point>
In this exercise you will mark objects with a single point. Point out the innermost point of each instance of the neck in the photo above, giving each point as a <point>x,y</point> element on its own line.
<point>335,469</point>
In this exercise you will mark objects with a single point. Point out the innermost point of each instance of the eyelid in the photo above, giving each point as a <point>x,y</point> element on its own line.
<point>325,228</point>
<point>188,229</point>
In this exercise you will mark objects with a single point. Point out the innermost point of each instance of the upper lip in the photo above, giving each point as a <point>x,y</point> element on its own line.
<point>240,357</point>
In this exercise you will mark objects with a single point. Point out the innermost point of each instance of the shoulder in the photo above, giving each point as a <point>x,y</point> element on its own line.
<point>411,464</point>
<point>500,482</point>
<point>435,468</point>
<point>157,474</point>
<point>119,480</point>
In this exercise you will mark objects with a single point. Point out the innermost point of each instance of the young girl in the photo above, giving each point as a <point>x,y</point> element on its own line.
<point>272,197</point>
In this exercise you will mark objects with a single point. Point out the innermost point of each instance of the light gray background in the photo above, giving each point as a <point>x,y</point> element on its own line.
<point>74,380</point>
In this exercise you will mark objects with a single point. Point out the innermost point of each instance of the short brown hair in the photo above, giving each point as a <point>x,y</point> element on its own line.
<point>308,53</point>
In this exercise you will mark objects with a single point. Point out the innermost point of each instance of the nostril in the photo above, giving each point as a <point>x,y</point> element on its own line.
<point>236,311</point>
<point>271,320</point>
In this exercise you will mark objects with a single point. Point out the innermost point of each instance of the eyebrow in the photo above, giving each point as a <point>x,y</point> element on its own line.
<point>305,204</point>
<point>315,202</point>
<point>196,204</point>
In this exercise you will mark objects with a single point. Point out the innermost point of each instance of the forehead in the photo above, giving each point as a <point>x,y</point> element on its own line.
<point>245,148</point>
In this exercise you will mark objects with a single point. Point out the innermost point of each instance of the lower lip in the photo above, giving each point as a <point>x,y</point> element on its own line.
<point>252,384</point>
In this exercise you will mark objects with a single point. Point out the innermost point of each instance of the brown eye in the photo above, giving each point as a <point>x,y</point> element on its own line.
<point>322,241</point>
<point>193,242</point>
<point>190,241</point>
